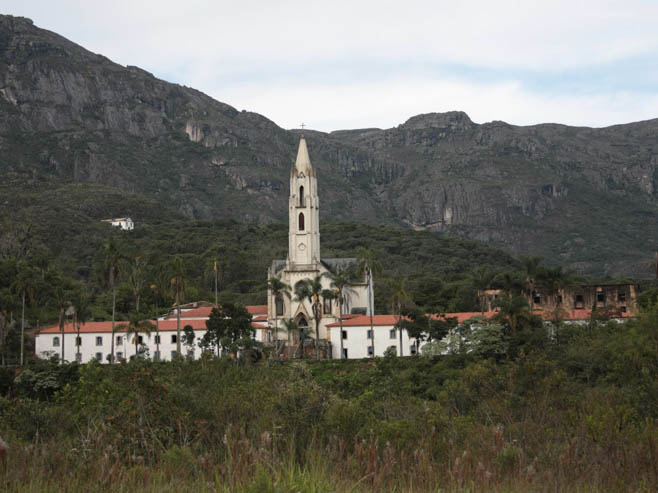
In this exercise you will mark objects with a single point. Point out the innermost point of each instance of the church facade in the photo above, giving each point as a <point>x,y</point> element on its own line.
<point>305,263</point>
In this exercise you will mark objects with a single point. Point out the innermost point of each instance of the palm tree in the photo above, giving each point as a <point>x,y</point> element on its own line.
<point>311,290</point>
<point>368,266</point>
<point>82,309</point>
<point>135,325</point>
<point>278,288</point>
<point>531,271</point>
<point>399,298</point>
<point>341,281</point>
<point>160,288</point>
<point>61,295</point>
<point>292,326</point>
<point>111,262</point>
<point>557,280</point>
<point>178,283</point>
<point>25,284</point>
<point>481,279</point>
<point>134,271</point>
<point>513,310</point>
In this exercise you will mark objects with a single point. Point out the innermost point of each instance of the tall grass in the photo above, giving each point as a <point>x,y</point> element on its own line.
<point>543,421</point>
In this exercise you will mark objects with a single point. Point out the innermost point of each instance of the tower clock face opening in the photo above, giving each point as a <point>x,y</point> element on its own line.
<point>302,247</point>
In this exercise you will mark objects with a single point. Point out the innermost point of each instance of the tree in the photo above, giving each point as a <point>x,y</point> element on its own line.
<point>178,283</point>
<point>341,282</point>
<point>135,325</point>
<point>531,270</point>
<point>25,284</point>
<point>160,288</point>
<point>229,328</point>
<point>482,277</point>
<point>513,309</point>
<point>556,280</point>
<point>188,337</point>
<point>134,271</point>
<point>278,288</point>
<point>399,299</point>
<point>311,290</point>
<point>369,266</point>
<point>61,294</point>
<point>82,306</point>
<point>111,261</point>
<point>292,327</point>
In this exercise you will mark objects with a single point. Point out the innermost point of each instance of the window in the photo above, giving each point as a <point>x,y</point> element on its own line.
<point>55,341</point>
<point>621,297</point>
<point>326,306</point>
<point>157,339</point>
<point>119,341</point>
<point>300,222</point>
<point>173,355</point>
<point>392,334</point>
<point>78,341</point>
<point>623,309</point>
<point>559,299</point>
<point>190,353</point>
<point>279,306</point>
<point>173,339</point>
<point>579,301</point>
<point>370,351</point>
<point>412,349</point>
<point>78,357</point>
<point>99,341</point>
<point>119,355</point>
<point>344,353</point>
<point>301,196</point>
<point>344,335</point>
<point>99,356</point>
<point>369,334</point>
<point>600,297</point>
<point>536,299</point>
<point>393,350</point>
<point>140,339</point>
<point>156,355</point>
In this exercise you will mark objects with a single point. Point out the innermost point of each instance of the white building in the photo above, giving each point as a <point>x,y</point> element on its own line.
<point>124,223</point>
<point>358,335</point>
<point>304,261</point>
<point>95,338</point>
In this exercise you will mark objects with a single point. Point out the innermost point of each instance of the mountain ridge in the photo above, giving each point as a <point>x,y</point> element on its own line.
<point>582,197</point>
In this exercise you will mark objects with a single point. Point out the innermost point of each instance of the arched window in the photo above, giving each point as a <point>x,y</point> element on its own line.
<point>301,221</point>
<point>55,341</point>
<point>279,306</point>
<point>301,321</point>
<point>301,196</point>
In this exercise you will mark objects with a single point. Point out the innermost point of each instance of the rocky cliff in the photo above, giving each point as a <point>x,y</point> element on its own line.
<point>579,196</point>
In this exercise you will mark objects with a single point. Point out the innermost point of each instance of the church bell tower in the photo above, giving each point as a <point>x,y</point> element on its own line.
<point>304,213</point>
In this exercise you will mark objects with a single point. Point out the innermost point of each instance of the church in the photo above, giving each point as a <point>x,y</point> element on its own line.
<point>305,263</point>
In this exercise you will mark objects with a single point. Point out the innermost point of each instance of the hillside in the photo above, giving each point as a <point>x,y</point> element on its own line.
<point>128,143</point>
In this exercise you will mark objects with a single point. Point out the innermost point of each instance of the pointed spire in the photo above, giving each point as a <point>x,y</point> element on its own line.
<point>303,162</point>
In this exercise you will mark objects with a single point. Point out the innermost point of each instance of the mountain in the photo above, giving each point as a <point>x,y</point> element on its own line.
<point>82,135</point>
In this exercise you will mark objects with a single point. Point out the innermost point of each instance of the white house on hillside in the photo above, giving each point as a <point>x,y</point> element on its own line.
<point>124,223</point>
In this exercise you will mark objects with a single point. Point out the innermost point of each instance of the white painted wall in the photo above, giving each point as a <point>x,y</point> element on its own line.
<point>357,341</point>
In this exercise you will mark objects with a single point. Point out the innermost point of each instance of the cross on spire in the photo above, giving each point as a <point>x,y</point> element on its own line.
<point>303,125</point>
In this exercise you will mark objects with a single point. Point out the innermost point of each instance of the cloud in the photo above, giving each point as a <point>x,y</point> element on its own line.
<point>374,63</point>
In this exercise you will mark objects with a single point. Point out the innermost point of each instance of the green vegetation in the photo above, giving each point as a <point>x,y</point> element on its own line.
<point>574,412</point>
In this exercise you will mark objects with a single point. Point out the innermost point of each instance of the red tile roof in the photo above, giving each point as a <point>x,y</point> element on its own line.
<point>164,326</point>
<point>257,309</point>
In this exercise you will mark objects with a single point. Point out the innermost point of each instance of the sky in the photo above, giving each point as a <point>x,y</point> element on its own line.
<point>356,64</point>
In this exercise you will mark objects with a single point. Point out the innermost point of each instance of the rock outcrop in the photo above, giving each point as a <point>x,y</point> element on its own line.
<point>581,196</point>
